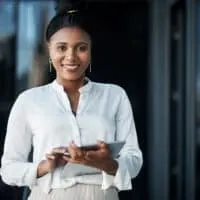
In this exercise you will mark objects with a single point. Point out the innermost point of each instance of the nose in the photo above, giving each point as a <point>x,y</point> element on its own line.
<point>70,55</point>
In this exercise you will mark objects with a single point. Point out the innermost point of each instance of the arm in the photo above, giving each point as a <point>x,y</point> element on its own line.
<point>15,169</point>
<point>118,172</point>
<point>130,160</point>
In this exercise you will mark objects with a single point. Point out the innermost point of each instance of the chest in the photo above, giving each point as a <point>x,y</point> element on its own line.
<point>56,125</point>
<point>74,101</point>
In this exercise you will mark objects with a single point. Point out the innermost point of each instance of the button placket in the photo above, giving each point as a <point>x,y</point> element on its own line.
<point>78,115</point>
<point>75,127</point>
<point>83,101</point>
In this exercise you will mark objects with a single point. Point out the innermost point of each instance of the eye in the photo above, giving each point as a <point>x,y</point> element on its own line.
<point>83,48</point>
<point>62,48</point>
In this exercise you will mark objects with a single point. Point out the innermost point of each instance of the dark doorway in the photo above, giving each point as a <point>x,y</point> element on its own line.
<point>120,54</point>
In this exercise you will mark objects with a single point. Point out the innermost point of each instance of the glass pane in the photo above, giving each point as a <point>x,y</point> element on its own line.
<point>7,55</point>
<point>198,103</point>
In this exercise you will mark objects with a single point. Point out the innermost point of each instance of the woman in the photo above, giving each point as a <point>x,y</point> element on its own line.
<point>66,114</point>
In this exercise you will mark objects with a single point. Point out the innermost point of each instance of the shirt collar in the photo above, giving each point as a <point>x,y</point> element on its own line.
<point>84,89</point>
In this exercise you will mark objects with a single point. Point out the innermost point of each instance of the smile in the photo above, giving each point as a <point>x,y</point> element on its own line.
<point>70,67</point>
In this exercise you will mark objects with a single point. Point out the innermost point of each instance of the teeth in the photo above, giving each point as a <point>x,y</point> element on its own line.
<point>70,67</point>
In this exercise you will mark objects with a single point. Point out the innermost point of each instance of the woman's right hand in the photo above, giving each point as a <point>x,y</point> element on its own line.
<point>53,160</point>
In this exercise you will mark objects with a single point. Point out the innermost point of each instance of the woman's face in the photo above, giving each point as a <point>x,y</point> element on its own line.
<point>70,53</point>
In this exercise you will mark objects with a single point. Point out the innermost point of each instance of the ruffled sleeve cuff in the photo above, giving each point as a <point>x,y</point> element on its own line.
<point>121,180</point>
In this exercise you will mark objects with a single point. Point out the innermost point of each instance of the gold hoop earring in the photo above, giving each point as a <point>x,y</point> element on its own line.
<point>50,65</point>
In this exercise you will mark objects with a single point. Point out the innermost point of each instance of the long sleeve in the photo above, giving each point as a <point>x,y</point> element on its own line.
<point>130,160</point>
<point>15,168</point>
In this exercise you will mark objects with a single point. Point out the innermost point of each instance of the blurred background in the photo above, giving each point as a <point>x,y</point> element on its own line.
<point>149,47</point>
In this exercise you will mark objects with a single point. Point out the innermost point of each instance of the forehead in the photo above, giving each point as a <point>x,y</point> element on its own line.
<point>70,35</point>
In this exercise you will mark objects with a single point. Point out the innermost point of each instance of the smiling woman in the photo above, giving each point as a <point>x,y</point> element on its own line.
<point>67,114</point>
<point>70,53</point>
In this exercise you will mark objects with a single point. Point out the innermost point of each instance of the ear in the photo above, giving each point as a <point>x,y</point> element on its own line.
<point>48,46</point>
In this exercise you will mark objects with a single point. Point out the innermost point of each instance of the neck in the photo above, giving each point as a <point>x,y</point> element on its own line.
<point>72,86</point>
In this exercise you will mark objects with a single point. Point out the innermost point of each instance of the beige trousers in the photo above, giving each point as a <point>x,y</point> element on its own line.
<point>76,192</point>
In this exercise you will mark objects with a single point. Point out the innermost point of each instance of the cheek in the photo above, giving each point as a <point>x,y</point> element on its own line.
<point>56,58</point>
<point>85,58</point>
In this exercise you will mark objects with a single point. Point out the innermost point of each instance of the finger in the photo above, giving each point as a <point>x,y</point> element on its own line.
<point>96,155</point>
<point>93,154</point>
<point>66,158</point>
<point>72,143</point>
<point>69,159</point>
<point>75,152</point>
<point>50,157</point>
<point>90,155</point>
<point>71,151</point>
<point>59,150</point>
<point>61,161</point>
<point>102,145</point>
<point>73,146</point>
<point>66,153</point>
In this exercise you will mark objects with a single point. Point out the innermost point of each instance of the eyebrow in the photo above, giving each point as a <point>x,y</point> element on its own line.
<point>65,43</point>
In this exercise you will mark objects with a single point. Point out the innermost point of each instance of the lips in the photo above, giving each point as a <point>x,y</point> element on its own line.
<point>71,67</point>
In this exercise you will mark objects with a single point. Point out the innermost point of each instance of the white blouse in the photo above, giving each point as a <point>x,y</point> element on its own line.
<point>42,118</point>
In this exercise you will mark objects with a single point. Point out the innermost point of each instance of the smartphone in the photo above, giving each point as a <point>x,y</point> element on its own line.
<point>114,148</point>
<point>85,148</point>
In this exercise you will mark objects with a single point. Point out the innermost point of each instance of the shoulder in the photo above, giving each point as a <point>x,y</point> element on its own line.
<point>108,87</point>
<point>34,93</point>
<point>112,89</point>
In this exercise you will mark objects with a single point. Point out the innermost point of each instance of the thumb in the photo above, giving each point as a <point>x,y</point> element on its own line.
<point>102,145</point>
<point>50,157</point>
<point>91,154</point>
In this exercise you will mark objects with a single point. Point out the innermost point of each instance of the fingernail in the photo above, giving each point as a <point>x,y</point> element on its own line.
<point>66,153</point>
<point>99,142</point>
<point>73,144</point>
<point>66,158</point>
<point>70,145</point>
<point>51,157</point>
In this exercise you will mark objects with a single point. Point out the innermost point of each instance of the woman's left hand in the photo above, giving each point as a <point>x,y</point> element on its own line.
<point>99,158</point>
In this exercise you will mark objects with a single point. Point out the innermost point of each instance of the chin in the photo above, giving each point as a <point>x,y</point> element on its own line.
<point>72,77</point>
